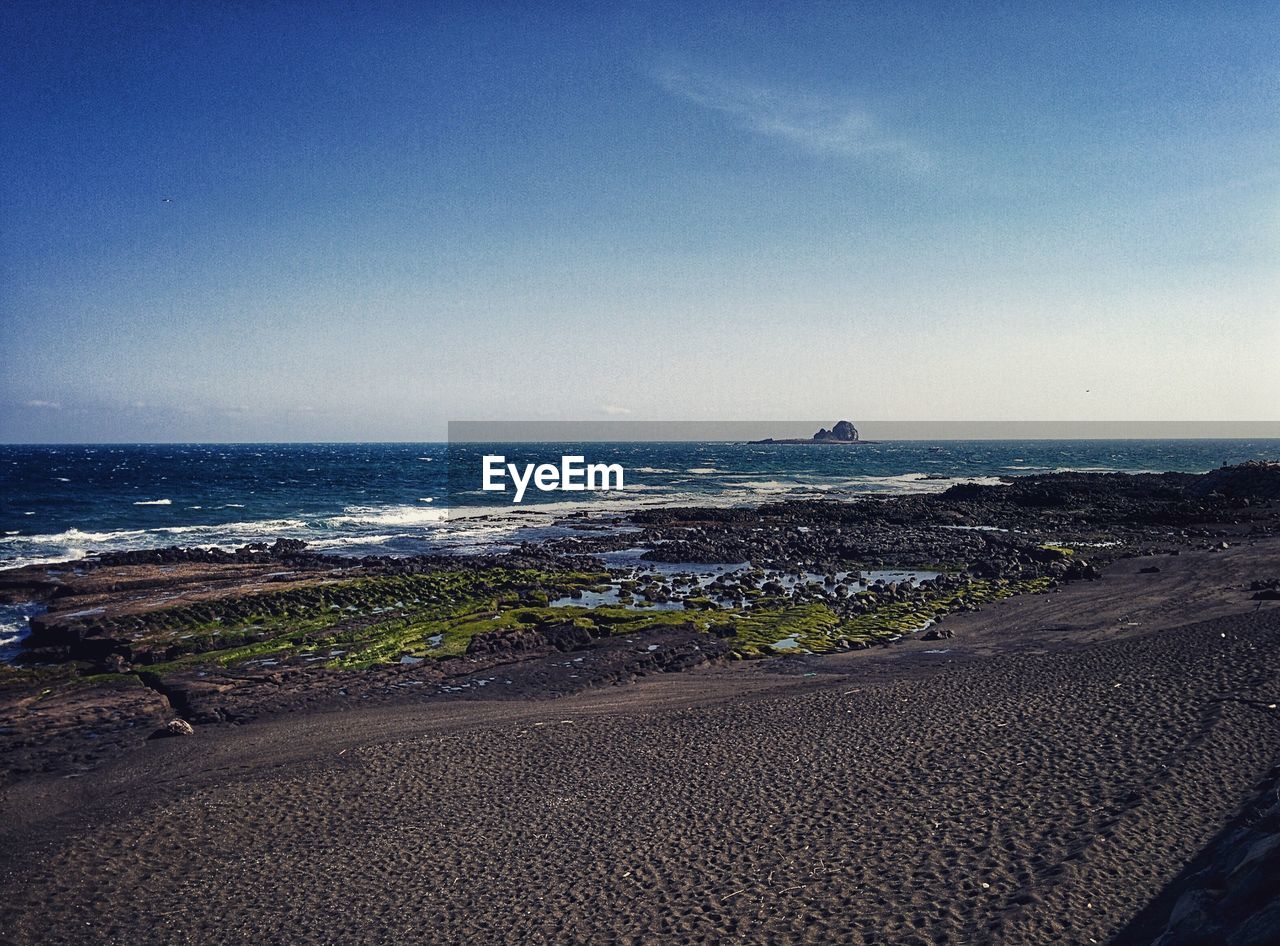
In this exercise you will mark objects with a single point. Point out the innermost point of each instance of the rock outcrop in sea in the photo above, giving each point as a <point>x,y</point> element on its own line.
<point>843,431</point>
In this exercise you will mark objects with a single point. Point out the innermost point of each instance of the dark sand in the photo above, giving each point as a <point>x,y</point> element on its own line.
<point>1038,779</point>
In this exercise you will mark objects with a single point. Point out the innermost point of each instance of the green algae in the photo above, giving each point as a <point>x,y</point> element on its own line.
<point>811,626</point>
<point>386,616</point>
<point>379,620</point>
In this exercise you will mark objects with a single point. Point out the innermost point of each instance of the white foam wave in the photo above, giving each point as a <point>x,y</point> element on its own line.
<point>777,486</point>
<point>344,541</point>
<point>14,626</point>
<point>386,516</point>
<point>75,544</point>
<point>77,536</point>
<point>915,483</point>
<point>22,561</point>
<point>232,530</point>
<point>1109,469</point>
<point>154,502</point>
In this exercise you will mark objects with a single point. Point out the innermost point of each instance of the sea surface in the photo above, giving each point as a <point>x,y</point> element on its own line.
<point>65,502</point>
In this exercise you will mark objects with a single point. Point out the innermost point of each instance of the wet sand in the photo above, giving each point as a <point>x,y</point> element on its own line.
<point>1040,778</point>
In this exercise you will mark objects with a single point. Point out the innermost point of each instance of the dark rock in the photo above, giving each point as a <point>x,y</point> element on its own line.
<point>566,636</point>
<point>1228,895</point>
<point>844,431</point>
<point>562,637</point>
<point>985,568</point>
<point>1257,479</point>
<point>1081,570</point>
<point>174,727</point>
<point>45,725</point>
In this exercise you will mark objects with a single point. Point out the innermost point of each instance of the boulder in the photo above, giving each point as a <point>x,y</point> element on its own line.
<point>844,431</point>
<point>564,636</point>
<point>174,727</point>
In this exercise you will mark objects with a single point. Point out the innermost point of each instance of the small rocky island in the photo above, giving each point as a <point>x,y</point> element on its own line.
<point>843,432</point>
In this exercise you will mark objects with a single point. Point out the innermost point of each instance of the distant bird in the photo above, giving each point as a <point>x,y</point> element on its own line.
<point>168,200</point>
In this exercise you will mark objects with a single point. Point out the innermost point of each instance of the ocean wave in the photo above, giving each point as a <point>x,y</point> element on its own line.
<point>22,561</point>
<point>14,626</point>
<point>255,526</point>
<point>344,541</point>
<point>74,544</point>
<point>77,536</point>
<point>154,502</point>
<point>1110,469</point>
<point>778,486</point>
<point>915,483</point>
<point>386,516</point>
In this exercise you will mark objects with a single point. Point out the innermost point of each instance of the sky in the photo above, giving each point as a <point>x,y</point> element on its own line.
<point>314,221</point>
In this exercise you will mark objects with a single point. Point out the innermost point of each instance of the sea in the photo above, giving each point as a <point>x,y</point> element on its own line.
<point>60,503</point>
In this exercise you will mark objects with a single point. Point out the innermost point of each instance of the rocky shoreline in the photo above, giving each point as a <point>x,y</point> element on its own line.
<point>129,641</point>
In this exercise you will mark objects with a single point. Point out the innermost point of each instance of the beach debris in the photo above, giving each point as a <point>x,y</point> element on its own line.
<point>174,727</point>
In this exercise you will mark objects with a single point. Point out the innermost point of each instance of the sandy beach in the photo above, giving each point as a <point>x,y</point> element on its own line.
<point>1039,778</point>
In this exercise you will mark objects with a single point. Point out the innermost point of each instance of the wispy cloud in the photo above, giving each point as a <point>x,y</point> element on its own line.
<point>43,405</point>
<point>820,124</point>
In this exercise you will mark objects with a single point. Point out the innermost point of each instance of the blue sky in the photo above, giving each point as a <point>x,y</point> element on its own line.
<point>312,221</point>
